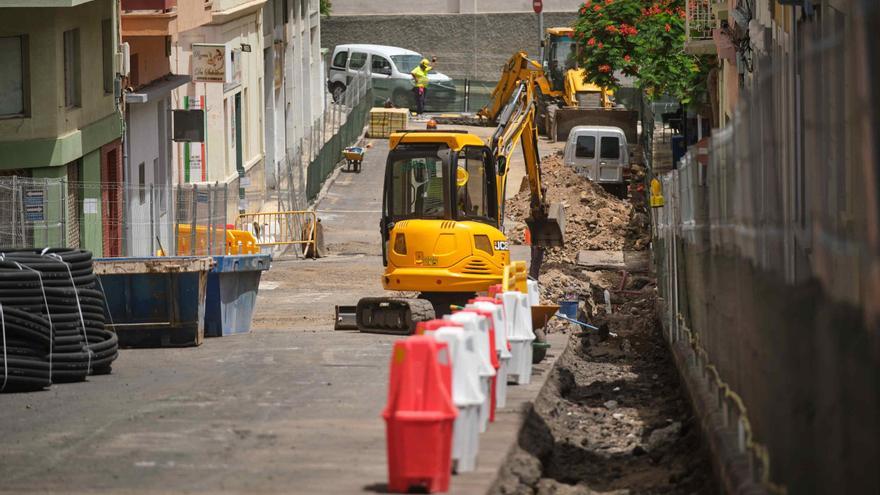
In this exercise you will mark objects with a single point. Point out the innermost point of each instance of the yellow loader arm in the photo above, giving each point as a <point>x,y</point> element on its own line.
<point>518,69</point>
<point>516,124</point>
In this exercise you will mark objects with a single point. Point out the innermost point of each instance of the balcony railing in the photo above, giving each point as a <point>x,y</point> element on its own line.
<point>148,4</point>
<point>699,23</point>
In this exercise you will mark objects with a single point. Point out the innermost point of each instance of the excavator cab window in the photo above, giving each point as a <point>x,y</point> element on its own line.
<point>475,195</point>
<point>560,56</point>
<point>417,184</point>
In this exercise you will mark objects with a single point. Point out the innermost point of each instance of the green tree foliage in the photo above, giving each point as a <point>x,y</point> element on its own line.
<point>643,39</point>
<point>325,7</point>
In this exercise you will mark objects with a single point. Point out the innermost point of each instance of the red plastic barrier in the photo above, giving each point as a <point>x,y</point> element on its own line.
<point>492,355</point>
<point>419,416</point>
<point>495,290</point>
<point>423,326</point>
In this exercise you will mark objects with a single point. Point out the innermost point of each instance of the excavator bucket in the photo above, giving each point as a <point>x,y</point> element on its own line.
<point>549,231</point>
<point>562,120</point>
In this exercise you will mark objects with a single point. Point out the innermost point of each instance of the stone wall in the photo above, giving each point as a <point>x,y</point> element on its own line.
<point>397,7</point>
<point>473,46</point>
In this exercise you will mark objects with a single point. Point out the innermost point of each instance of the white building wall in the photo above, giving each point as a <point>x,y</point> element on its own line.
<point>291,109</point>
<point>220,98</point>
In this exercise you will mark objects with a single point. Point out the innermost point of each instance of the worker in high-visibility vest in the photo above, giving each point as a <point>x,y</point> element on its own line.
<point>420,83</point>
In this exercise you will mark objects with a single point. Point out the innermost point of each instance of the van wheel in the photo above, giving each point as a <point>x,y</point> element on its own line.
<point>403,99</point>
<point>337,90</point>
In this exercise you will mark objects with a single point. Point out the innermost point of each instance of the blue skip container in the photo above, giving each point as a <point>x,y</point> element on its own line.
<point>231,296</point>
<point>155,301</point>
<point>569,309</point>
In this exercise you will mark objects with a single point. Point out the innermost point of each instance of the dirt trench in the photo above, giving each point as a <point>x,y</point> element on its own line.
<point>613,417</point>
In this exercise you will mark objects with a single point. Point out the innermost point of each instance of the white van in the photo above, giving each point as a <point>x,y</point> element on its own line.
<point>390,68</point>
<point>600,154</point>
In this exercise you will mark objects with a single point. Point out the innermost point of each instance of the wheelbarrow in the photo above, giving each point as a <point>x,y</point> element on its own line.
<point>354,156</point>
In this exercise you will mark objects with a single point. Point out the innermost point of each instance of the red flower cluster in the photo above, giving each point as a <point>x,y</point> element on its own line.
<point>627,30</point>
<point>605,68</point>
<point>611,28</point>
<point>668,27</point>
<point>597,8</point>
<point>627,58</point>
<point>591,41</point>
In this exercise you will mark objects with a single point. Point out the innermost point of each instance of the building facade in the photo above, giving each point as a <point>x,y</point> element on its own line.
<point>59,116</point>
<point>152,29</point>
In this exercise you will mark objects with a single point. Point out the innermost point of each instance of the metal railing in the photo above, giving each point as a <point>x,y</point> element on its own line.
<point>281,228</point>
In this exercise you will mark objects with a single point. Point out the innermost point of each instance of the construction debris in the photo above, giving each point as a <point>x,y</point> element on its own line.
<point>595,220</point>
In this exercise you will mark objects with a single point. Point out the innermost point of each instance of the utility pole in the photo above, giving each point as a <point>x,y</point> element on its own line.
<point>538,7</point>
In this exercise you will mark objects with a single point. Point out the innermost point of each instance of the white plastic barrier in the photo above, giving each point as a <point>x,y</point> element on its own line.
<point>500,348</point>
<point>477,324</point>
<point>534,292</point>
<point>518,317</point>
<point>466,394</point>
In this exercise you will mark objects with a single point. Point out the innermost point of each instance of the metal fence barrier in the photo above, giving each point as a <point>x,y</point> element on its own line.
<point>113,219</point>
<point>281,228</point>
<point>767,253</point>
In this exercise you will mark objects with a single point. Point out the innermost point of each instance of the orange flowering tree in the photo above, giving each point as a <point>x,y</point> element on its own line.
<point>643,39</point>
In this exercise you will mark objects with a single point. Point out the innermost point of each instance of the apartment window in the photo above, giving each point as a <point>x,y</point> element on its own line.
<point>107,54</point>
<point>14,80</point>
<point>72,88</point>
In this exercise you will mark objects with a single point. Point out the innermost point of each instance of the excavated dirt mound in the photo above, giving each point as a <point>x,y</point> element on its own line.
<point>612,418</point>
<point>595,220</point>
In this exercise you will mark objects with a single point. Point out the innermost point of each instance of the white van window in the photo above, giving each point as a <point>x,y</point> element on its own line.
<point>381,65</point>
<point>406,63</point>
<point>610,148</point>
<point>585,147</point>
<point>357,60</point>
<point>340,59</point>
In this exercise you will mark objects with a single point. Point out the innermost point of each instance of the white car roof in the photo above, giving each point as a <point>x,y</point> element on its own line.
<point>590,128</point>
<point>377,49</point>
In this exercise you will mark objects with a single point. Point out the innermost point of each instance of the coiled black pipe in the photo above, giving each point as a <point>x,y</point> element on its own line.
<point>55,316</point>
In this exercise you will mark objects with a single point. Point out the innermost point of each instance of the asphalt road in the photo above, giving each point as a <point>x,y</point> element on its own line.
<point>292,407</point>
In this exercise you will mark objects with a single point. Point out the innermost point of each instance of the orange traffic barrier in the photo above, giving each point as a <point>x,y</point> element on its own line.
<point>419,416</point>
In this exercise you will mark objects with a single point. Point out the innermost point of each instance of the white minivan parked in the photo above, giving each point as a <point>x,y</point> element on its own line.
<point>389,68</point>
<point>600,154</point>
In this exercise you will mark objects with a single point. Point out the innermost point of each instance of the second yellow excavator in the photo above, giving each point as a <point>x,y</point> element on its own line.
<point>442,216</point>
<point>564,98</point>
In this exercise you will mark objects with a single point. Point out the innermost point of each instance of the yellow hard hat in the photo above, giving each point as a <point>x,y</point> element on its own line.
<point>461,177</point>
<point>425,61</point>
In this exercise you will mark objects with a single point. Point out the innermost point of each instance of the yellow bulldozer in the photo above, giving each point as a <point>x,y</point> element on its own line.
<point>442,215</point>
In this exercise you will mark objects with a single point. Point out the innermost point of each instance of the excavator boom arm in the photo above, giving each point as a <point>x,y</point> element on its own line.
<point>516,125</point>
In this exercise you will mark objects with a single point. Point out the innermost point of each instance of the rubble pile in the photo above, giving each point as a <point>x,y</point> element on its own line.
<point>595,220</point>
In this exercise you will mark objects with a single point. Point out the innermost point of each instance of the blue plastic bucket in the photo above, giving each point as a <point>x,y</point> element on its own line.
<point>568,308</point>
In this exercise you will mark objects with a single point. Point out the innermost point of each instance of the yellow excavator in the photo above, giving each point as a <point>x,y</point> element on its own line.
<point>442,214</point>
<point>564,98</point>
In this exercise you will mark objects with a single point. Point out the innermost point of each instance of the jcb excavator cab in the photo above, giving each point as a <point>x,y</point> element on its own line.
<point>440,219</point>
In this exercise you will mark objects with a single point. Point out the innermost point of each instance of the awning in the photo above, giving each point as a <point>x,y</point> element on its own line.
<point>157,90</point>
